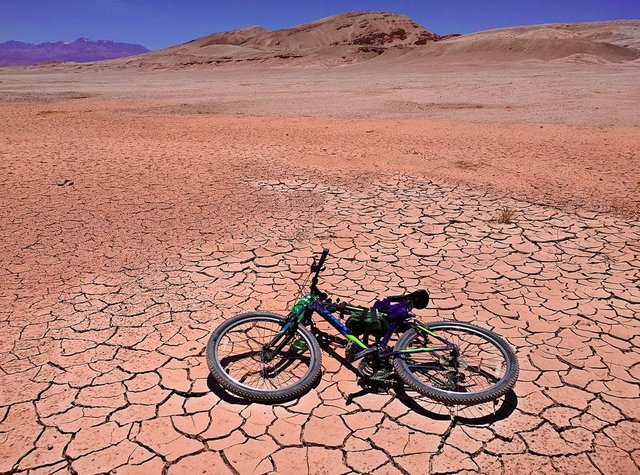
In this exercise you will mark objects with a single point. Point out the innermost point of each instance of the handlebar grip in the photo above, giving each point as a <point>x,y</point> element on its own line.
<point>323,257</point>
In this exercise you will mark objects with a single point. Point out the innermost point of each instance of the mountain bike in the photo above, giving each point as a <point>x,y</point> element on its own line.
<point>269,358</point>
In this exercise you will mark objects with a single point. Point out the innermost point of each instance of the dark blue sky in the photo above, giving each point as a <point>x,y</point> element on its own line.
<point>160,23</point>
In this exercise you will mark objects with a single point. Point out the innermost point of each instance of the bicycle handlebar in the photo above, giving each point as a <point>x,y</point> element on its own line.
<point>317,268</point>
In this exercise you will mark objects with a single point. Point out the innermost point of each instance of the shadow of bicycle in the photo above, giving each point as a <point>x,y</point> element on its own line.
<point>479,414</point>
<point>231,398</point>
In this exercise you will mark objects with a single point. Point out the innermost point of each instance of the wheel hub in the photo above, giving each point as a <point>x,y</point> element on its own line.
<point>266,355</point>
<point>454,378</point>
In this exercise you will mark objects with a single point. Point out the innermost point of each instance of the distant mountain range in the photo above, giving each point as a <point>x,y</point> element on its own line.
<point>81,50</point>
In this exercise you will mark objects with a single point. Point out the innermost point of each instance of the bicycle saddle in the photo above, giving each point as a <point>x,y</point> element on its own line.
<point>419,299</point>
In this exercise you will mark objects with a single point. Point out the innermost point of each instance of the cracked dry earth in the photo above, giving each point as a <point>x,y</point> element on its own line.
<point>125,239</point>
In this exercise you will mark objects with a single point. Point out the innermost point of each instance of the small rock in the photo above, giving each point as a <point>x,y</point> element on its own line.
<point>63,182</point>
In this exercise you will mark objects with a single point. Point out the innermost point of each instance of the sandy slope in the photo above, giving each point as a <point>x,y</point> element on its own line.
<point>614,41</point>
<point>519,131</point>
<point>625,33</point>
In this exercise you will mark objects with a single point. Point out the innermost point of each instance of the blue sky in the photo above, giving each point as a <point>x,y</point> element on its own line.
<point>160,23</point>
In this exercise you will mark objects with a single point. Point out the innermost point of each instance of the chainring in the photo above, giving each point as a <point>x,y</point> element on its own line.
<point>373,373</point>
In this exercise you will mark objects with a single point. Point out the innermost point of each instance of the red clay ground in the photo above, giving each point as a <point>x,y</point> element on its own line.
<point>170,221</point>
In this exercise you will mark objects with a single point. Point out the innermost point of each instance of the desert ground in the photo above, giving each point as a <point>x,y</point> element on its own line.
<point>139,208</point>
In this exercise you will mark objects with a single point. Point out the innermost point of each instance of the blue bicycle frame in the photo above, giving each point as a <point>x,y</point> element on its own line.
<point>310,304</point>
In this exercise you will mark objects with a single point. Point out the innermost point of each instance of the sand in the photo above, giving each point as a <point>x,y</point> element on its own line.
<point>570,143</point>
<point>140,208</point>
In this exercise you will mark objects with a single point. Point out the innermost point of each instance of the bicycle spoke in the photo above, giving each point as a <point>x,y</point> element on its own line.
<point>480,363</point>
<point>242,355</point>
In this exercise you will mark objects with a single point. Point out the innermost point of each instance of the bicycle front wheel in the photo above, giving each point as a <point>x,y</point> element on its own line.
<point>482,368</point>
<point>236,358</point>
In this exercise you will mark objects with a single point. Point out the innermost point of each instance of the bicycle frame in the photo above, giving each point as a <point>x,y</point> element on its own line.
<point>310,304</point>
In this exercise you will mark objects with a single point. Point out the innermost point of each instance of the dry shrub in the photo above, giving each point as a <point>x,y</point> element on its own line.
<point>505,215</point>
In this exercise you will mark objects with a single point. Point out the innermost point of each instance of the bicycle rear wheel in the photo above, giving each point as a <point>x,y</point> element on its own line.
<point>236,358</point>
<point>486,368</point>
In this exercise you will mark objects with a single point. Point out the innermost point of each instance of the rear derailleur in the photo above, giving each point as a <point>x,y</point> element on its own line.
<point>453,363</point>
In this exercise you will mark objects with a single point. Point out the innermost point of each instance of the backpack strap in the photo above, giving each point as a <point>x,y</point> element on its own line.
<point>366,315</point>
<point>374,317</point>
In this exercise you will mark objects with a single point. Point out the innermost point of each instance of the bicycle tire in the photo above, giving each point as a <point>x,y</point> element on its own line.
<point>504,385</point>
<point>294,391</point>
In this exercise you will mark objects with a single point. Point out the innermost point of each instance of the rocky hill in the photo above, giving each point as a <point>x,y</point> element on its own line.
<point>348,37</point>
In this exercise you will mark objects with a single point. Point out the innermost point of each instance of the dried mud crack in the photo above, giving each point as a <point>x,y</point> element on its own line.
<point>110,288</point>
